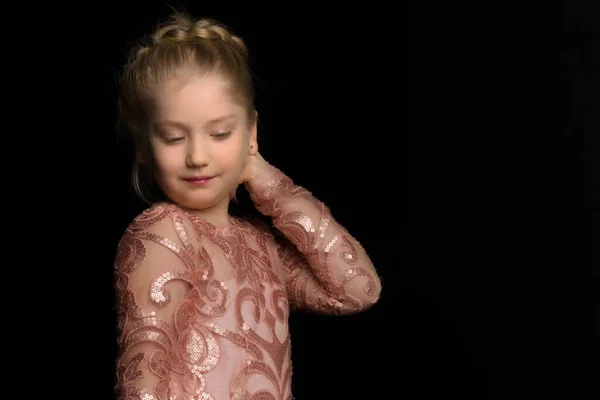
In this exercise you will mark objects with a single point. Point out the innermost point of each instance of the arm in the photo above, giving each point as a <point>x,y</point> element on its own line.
<point>151,269</point>
<point>325,268</point>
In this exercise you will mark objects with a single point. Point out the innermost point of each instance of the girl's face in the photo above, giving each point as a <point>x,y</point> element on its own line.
<point>199,139</point>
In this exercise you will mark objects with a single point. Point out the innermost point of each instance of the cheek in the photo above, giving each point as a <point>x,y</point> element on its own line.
<point>232,161</point>
<point>234,155</point>
<point>166,161</point>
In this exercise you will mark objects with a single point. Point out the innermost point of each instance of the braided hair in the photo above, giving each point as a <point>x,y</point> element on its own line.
<point>178,48</point>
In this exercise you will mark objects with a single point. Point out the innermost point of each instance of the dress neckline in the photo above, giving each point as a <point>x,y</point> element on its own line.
<point>234,223</point>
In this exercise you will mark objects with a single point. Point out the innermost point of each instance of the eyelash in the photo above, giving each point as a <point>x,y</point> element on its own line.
<point>218,136</point>
<point>222,135</point>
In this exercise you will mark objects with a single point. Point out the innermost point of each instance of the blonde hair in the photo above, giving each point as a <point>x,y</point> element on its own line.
<point>178,48</point>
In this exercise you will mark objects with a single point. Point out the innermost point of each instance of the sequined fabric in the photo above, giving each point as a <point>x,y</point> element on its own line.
<point>203,310</point>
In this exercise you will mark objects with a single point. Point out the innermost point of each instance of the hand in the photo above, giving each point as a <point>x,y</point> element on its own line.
<point>255,163</point>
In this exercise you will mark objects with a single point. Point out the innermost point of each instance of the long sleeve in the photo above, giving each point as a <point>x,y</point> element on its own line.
<point>167,293</point>
<point>148,264</point>
<point>325,268</point>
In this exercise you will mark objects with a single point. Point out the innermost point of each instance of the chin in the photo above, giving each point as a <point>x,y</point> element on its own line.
<point>196,204</point>
<point>199,203</point>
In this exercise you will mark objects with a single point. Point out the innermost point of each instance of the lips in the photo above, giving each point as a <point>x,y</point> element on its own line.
<point>198,179</point>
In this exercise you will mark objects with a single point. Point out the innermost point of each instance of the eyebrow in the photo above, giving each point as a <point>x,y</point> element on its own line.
<point>180,125</point>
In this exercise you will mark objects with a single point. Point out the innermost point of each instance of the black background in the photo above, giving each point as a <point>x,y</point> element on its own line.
<point>459,144</point>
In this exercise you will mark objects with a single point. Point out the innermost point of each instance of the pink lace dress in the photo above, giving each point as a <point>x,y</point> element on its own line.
<point>203,310</point>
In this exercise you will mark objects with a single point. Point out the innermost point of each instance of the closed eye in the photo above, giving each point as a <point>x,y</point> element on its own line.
<point>221,135</point>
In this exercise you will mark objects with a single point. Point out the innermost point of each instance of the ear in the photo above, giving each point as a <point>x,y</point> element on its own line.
<point>253,135</point>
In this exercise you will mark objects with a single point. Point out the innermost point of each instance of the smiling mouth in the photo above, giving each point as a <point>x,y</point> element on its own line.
<point>198,180</point>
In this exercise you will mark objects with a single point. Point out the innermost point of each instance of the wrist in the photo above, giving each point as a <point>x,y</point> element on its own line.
<point>265,175</point>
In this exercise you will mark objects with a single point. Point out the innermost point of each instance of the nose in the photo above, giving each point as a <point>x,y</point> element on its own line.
<point>196,153</point>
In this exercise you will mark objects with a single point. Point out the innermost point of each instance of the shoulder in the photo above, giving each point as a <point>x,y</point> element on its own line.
<point>266,233</point>
<point>156,224</point>
<point>158,218</point>
<point>256,227</point>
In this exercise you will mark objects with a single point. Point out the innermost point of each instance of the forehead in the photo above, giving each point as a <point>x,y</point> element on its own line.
<point>197,98</point>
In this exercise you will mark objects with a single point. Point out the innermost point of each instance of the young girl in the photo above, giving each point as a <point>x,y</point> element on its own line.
<point>204,297</point>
